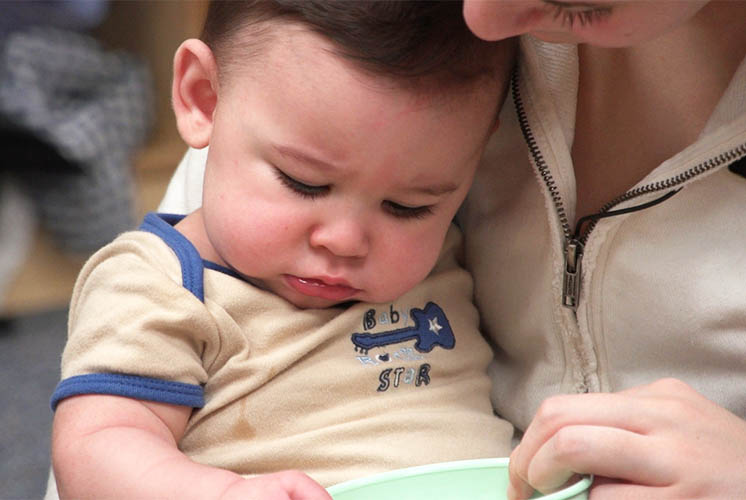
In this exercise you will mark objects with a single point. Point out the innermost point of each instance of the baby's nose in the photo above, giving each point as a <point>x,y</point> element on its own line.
<point>343,236</point>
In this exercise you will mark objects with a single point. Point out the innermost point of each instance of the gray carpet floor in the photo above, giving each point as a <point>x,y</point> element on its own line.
<point>30,348</point>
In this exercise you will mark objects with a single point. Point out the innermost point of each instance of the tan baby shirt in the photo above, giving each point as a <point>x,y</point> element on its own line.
<point>338,393</point>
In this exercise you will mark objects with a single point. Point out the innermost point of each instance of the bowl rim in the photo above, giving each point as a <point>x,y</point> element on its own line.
<point>478,463</point>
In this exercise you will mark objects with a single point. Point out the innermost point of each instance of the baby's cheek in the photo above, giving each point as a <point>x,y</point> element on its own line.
<point>246,243</point>
<point>416,266</point>
<point>403,256</point>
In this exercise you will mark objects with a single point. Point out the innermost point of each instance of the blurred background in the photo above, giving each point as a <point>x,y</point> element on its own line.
<point>87,146</point>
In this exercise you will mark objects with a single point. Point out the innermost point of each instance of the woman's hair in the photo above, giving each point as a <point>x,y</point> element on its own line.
<point>407,40</point>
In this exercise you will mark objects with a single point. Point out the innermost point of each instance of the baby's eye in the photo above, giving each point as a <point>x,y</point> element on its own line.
<point>584,14</point>
<point>300,188</point>
<point>404,212</point>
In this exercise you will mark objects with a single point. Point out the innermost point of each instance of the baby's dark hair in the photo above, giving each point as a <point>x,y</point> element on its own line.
<point>412,41</point>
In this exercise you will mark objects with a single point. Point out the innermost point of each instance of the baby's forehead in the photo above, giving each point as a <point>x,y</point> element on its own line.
<point>289,47</point>
<point>293,55</point>
<point>424,45</point>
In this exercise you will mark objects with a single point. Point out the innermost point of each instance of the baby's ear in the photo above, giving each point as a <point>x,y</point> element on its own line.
<point>194,92</point>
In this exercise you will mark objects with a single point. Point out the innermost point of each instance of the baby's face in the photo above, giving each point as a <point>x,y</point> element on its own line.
<point>605,23</point>
<point>325,184</point>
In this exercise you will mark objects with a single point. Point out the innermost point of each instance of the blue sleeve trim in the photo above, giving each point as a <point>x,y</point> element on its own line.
<point>192,269</point>
<point>131,386</point>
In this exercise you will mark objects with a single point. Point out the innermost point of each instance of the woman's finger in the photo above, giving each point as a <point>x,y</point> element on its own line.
<point>606,410</point>
<point>609,489</point>
<point>638,410</point>
<point>602,451</point>
<point>518,487</point>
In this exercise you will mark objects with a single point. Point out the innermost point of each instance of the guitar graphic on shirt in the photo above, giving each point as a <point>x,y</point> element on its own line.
<point>430,328</point>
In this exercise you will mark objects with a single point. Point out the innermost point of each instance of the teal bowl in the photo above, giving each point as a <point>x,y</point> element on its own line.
<point>480,479</point>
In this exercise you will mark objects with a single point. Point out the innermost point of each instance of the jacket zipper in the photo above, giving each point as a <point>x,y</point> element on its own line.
<point>574,242</point>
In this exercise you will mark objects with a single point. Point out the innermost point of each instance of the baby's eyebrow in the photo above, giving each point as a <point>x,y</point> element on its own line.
<point>310,159</point>
<point>436,189</point>
<point>304,157</point>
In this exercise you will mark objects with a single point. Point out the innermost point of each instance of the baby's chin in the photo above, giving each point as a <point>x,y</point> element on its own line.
<point>315,303</point>
<point>306,302</point>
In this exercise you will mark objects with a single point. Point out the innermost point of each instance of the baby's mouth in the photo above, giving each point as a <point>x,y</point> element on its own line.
<point>330,289</point>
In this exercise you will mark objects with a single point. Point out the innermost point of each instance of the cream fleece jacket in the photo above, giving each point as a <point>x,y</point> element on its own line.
<point>662,290</point>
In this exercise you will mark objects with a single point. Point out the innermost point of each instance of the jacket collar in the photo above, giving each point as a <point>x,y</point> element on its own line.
<point>549,86</point>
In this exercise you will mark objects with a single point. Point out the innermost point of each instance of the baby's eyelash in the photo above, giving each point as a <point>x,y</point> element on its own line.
<point>312,192</point>
<point>300,188</point>
<point>569,16</point>
<point>402,212</point>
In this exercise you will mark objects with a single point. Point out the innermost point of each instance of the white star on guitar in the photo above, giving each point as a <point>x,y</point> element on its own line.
<point>434,326</point>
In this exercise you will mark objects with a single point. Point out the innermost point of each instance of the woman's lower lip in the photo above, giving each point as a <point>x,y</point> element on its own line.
<point>317,288</point>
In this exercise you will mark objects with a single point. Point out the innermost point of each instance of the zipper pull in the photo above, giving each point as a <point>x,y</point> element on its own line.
<point>573,268</point>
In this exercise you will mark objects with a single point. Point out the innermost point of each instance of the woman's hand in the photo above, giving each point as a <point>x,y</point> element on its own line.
<point>662,441</point>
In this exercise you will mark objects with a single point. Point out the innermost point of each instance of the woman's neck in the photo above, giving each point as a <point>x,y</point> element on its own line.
<point>640,105</point>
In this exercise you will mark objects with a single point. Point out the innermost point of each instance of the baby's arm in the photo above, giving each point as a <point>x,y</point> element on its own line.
<point>114,447</point>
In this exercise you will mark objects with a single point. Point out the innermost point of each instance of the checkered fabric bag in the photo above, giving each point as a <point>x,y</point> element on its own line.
<point>93,109</point>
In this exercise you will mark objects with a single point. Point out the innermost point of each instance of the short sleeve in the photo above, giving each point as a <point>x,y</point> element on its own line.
<point>133,329</point>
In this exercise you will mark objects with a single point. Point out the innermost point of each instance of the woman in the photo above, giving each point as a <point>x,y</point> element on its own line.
<point>617,274</point>
<point>644,115</point>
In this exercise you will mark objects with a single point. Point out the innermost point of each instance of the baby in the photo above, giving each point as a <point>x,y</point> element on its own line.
<point>312,314</point>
